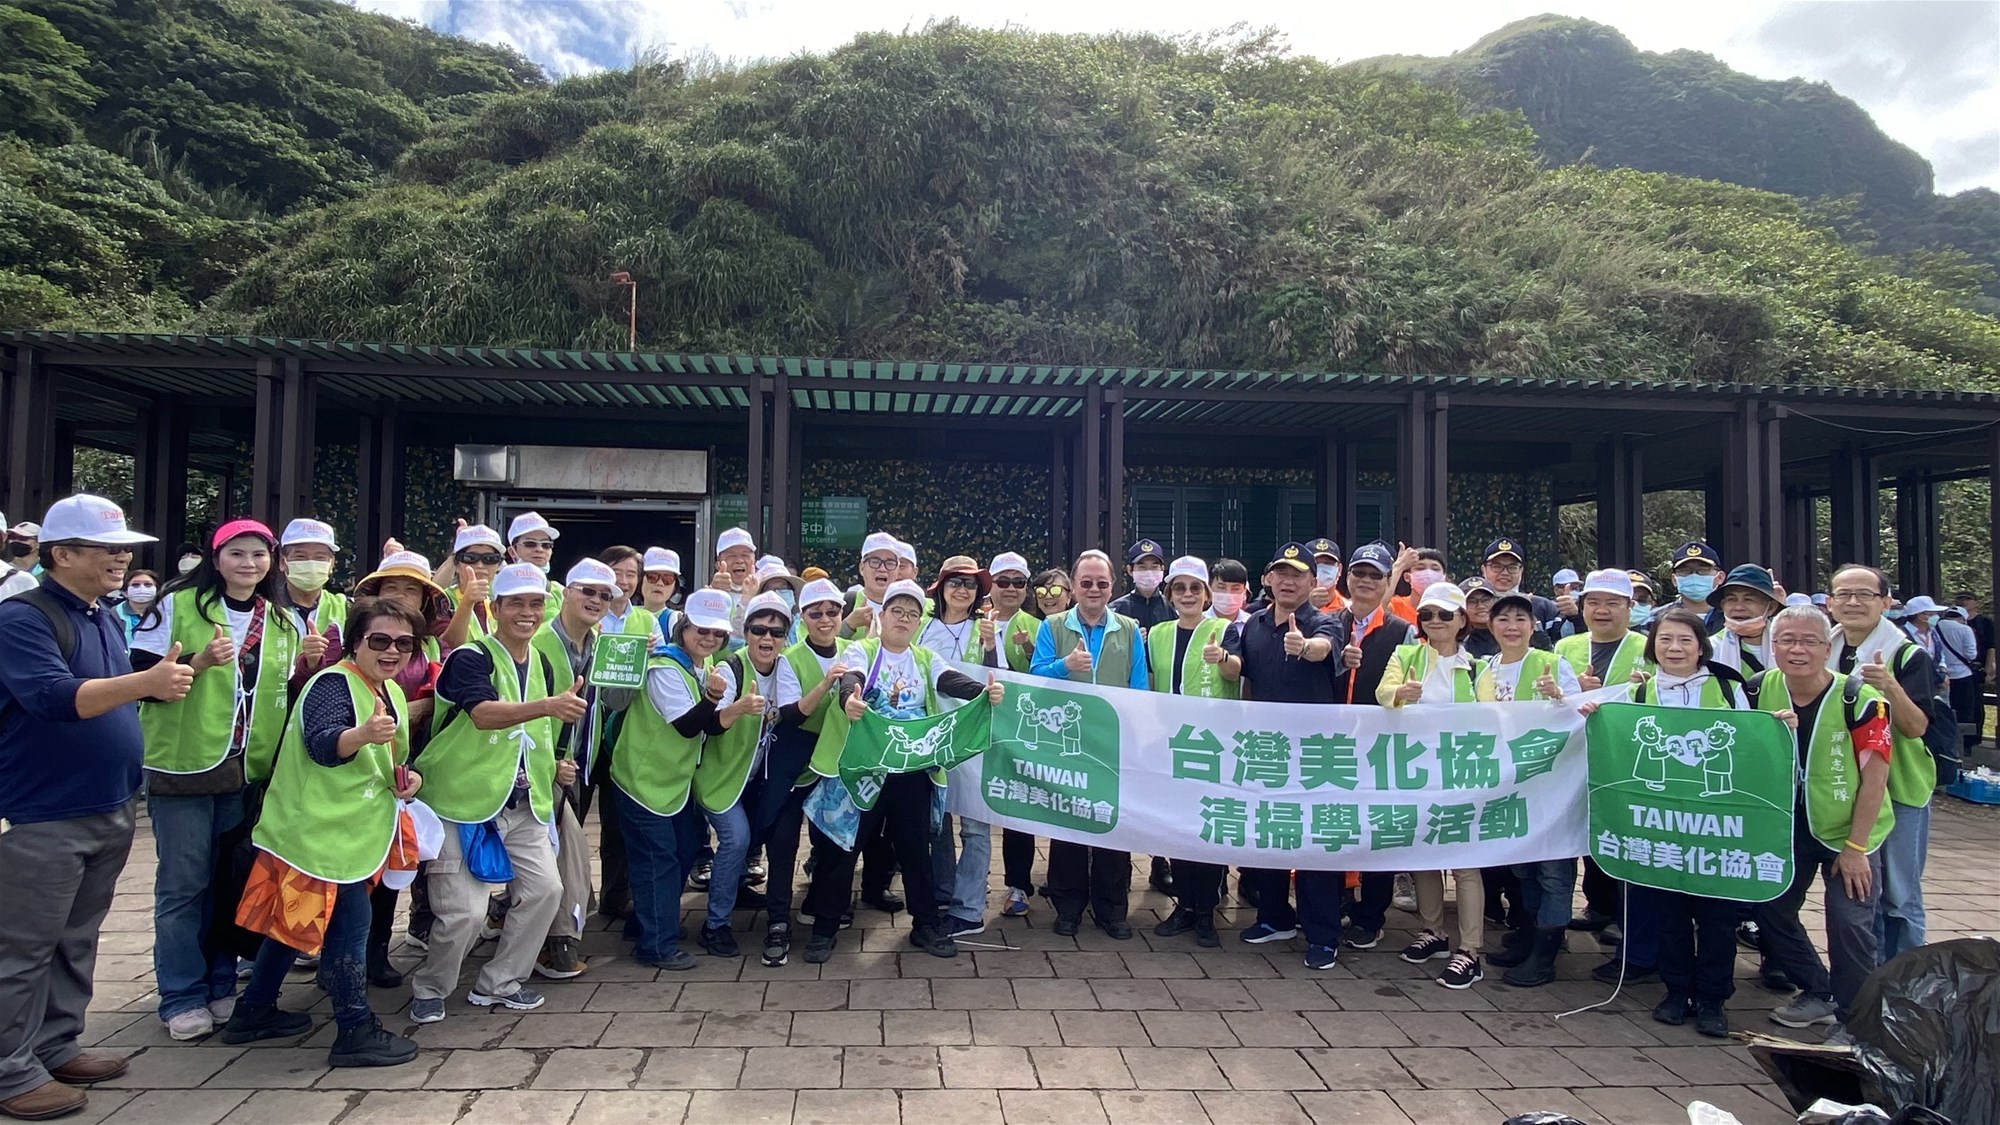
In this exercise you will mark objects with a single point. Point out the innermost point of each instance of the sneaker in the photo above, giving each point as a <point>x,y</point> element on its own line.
<point>1462,971</point>
<point>777,944</point>
<point>886,902</point>
<point>1264,932</point>
<point>426,1009</point>
<point>1747,935</point>
<point>1775,980</point>
<point>1711,1020</point>
<point>1429,944</point>
<point>1204,931</point>
<point>305,962</point>
<point>1405,896</point>
<point>419,940</point>
<point>559,960</point>
<point>1673,1011</point>
<point>819,949</point>
<point>522,999</point>
<point>1611,936</point>
<point>1321,956</point>
<point>719,942</point>
<point>1607,972</point>
<point>755,874</point>
<point>1805,1010</point>
<point>1364,939</point>
<point>1181,921</point>
<point>698,879</point>
<point>252,1024</point>
<point>222,1009</point>
<point>382,974</point>
<point>932,941</point>
<point>191,1024</point>
<point>959,927</point>
<point>675,960</point>
<point>1017,904</point>
<point>847,919</point>
<point>370,1044</point>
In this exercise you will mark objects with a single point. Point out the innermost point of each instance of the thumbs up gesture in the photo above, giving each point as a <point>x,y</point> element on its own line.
<point>986,631</point>
<point>170,679</point>
<point>716,686</point>
<point>751,704</point>
<point>312,649</point>
<point>854,707</point>
<point>1547,687</point>
<point>1078,659</point>
<point>569,706</point>
<point>1588,680</point>
<point>1876,674</point>
<point>995,690</point>
<point>1351,655</point>
<point>218,652</point>
<point>1212,653</point>
<point>1295,639</point>
<point>380,727</point>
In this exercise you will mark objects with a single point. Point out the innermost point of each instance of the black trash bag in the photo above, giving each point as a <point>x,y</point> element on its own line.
<point>1927,1027</point>
<point>1542,1117</point>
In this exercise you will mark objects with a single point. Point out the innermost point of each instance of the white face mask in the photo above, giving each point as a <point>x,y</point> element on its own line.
<point>189,563</point>
<point>1326,574</point>
<point>141,594</point>
<point>308,574</point>
<point>1420,579</point>
<point>1228,603</point>
<point>1148,580</point>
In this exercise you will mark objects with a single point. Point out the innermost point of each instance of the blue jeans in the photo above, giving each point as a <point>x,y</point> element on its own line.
<point>965,879</point>
<point>1899,908</point>
<point>732,858</point>
<point>343,961</point>
<point>658,852</point>
<point>1548,887</point>
<point>188,971</point>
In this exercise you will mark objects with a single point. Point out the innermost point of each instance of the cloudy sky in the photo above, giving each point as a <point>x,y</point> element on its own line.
<point>1928,70</point>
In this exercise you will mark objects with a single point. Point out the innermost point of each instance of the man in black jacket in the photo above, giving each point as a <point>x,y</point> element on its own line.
<point>1373,633</point>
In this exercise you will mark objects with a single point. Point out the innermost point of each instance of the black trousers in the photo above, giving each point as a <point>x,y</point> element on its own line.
<point>878,862</point>
<point>778,835</point>
<point>1080,874</point>
<point>1600,891</point>
<point>381,920</point>
<point>1371,910</point>
<point>1501,881</point>
<point>902,817</point>
<point>1017,857</point>
<point>1783,936</point>
<point>1198,886</point>
<point>1968,703</point>
<point>1697,944</point>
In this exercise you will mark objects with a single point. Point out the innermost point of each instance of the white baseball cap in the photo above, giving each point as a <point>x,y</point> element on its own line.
<point>906,552</point>
<point>773,568</point>
<point>1922,603</point>
<point>1007,562</point>
<point>527,522</point>
<point>302,531</point>
<point>1608,581</point>
<point>1566,577</point>
<point>476,535</point>
<point>733,538</point>
<point>1444,595</point>
<point>707,609</point>
<point>767,603</point>
<point>27,529</point>
<point>904,588</point>
<point>1798,599</point>
<point>520,578</point>
<point>1187,566</point>
<point>590,572</point>
<point>659,560</point>
<point>878,542</point>
<point>820,590</point>
<point>84,518</point>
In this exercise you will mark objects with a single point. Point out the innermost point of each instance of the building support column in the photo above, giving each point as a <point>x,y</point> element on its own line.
<point>1917,563</point>
<point>1061,498</point>
<point>754,490</point>
<point>281,453</point>
<point>1856,509</point>
<point>787,519</point>
<point>1621,504</point>
<point>1799,572</point>
<point>30,431</point>
<point>379,477</point>
<point>1088,529</point>
<point>1114,477</point>
<point>160,478</point>
<point>1337,487</point>
<point>1993,513</point>
<point>1423,505</point>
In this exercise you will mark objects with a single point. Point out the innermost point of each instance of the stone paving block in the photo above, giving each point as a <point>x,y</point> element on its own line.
<point>409,1076</point>
<point>1631,1105</point>
<point>1431,996</point>
<point>173,1107</point>
<point>848,964</point>
<point>925,1028</point>
<point>172,1068</point>
<point>454,1034</point>
<point>559,1029</point>
<point>891,1068</point>
<point>955,1107</point>
<point>1368,996</point>
<point>1608,1029</point>
<point>1706,1066</point>
<point>1749,1107</point>
<point>1266,1068</point>
<point>1264,1108</point>
<point>977,995</point>
<point>271,1069</point>
<point>789,1068</point>
<point>652,1029</point>
<point>1272,1029</point>
<point>1358,1068</point>
<point>1154,1107</point>
<point>1357,1029</point>
<point>1080,1068</point>
<point>1209,995</point>
<point>713,996</point>
<point>806,996</point>
<point>632,1107</point>
<point>1092,965</point>
<point>741,1107</point>
<point>1133,995</point>
<point>744,1029</point>
<point>889,995</point>
<point>1009,964</point>
<point>590,1068</point>
<point>1101,1029</point>
<point>1528,1029</point>
<point>1234,966</point>
<point>1008,1028</point>
<point>1448,1068</point>
<point>1279,995</point>
<point>292,1107</point>
<point>1446,1107</point>
<point>498,1069</point>
<point>408,1107</point>
<point>1441,1029</point>
<point>1619,1066</point>
<point>916,965</point>
<point>1164,965</point>
<point>837,1029</point>
<point>1187,1029</point>
<point>691,1068</point>
<point>1054,993</point>
<point>1533,1066</point>
<point>524,1107</point>
<point>1352,1107</point>
<point>1528,1099</point>
<point>847,1107</point>
<point>987,1068</point>
<point>634,996</point>
<point>1052,1107</point>
<point>1173,1068</point>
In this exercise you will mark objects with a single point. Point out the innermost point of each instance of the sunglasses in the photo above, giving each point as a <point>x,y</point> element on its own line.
<point>592,594</point>
<point>1426,615</point>
<point>1093,584</point>
<point>536,544</point>
<point>481,560</point>
<point>1050,591</point>
<point>1010,583</point>
<point>822,615</point>
<point>764,630</point>
<point>961,583</point>
<point>383,642</point>
<point>661,579</point>
<point>711,634</point>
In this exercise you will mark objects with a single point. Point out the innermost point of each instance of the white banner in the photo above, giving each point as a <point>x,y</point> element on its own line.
<point>1284,785</point>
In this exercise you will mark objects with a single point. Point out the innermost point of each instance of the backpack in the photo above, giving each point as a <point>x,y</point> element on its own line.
<point>1941,737</point>
<point>59,622</point>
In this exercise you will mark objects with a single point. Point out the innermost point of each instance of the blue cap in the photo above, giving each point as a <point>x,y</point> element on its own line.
<point>1375,554</point>
<point>1142,548</point>
<point>1296,555</point>
<point>1324,546</point>
<point>1750,576</point>
<point>1694,550</point>
<point>1502,546</point>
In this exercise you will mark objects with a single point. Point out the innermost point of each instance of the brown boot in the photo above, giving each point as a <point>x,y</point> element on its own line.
<point>50,1099</point>
<point>87,1069</point>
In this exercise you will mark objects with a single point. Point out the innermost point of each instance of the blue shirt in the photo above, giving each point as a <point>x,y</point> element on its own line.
<point>1271,673</point>
<point>53,765</point>
<point>1048,662</point>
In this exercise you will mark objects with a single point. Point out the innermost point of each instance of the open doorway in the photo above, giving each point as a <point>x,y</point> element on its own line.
<point>588,524</point>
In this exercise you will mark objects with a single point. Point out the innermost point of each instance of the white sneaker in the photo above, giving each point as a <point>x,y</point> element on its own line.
<point>191,1024</point>
<point>222,1009</point>
<point>1405,896</point>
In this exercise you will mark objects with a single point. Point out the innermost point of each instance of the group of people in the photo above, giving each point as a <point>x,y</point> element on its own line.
<point>306,754</point>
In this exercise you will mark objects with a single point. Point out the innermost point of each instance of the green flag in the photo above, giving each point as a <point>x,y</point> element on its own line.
<point>876,746</point>
<point>1690,799</point>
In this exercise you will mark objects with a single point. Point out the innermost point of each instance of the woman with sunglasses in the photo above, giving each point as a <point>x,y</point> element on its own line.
<point>329,824</point>
<point>662,569</point>
<point>807,673</point>
<point>956,633</point>
<point>746,714</point>
<point>476,556</point>
<point>224,619</point>
<point>1052,593</point>
<point>951,629</point>
<point>1437,669</point>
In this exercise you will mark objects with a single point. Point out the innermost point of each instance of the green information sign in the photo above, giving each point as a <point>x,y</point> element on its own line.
<point>1054,759</point>
<point>619,661</point>
<point>825,521</point>
<point>1693,800</point>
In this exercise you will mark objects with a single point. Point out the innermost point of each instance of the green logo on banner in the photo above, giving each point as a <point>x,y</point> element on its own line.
<point>1054,759</point>
<point>877,746</point>
<point>1694,800</point>
<point>619,661</point>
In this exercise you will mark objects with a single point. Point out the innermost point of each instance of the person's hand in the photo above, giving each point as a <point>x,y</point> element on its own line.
<point>752,704</point>
<point>1409,691</point>
<point>1021,639</point>
<point>1212,653</point>
<point>836,671</point>
<point>1351,656</point>
<point>312,648</point>
<point>410,787</point>
<point>861,618</point>
<point>1406,557</point>
<point>391,545</point>
<point>1637,676</point>
<point>716,686</point>
<point>986,631</point>
<point>565,771</point>
<point>1548,687</point>
<point>169,679</point>
<point>854,707</point>
<point>380,728</point>
<point>1790,718</point>
<point>995,690</point>
<point>1295,639</point>
<point>1566,605</point>
<point>1588,707</point>
<point>219,652</point>
<point>1078,659</point>
<point>474,588</point>
<point>1876,675</point>
<point>569,706</point>
<point>1588,681</point>
<point>1853,869</point>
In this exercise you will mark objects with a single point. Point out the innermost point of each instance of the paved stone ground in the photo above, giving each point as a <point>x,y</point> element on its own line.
<point>1075,1031</point>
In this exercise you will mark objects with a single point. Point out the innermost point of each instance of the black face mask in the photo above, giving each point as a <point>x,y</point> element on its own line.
<point>19,550</point>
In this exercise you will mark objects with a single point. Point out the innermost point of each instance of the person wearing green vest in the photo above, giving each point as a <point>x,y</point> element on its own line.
<point>532,540</point>
<point>807,673</point>
<point>476,556</point>
<point>956,631</point>
<point>1015,623</point>
<point>1846,752</point>
<point>226,616</point>
<point>1865,641</point>
<point>631,614</point>
<point>1090,644</point>
<point>654,773</point>
<point>746,716</point>
<point>331,815</point>
<point>1186,657</point>
<point>306,552</point>
<point>1610,652</point>
<point>1437,670</point>
<point>491,770</point>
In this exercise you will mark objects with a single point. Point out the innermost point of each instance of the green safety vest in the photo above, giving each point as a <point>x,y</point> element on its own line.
<point>193,735</point>
<point>1912,770</point>
<point>468,772</point>
<point>1018,657</point>
<point>1830,761</point>
<point>1113,653</point>
<point>550,644</point>
<point>474,627</point>
<point>331,610</point>
<point>1416,660</point>
<point>336,823</point>
<point>1535,665</point>
<point>1630,657</point>
<point>833,734</point>
<point>1714,695</point>
<point>724,769</point>
<point>805,665</point>
<point>1199,678</point>
<point>655,763</point>
<point>639,622</point>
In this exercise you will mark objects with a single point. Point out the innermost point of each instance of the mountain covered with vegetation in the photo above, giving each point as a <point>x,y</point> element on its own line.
<point>1591,96</point>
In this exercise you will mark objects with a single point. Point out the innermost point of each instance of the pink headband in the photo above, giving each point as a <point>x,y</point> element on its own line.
<point>236,529</point>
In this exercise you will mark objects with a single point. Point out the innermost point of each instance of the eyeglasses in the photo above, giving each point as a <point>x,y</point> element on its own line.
<point>764,630</point>
<point>1092,584</point>
<point>487,559</point>
<point>1799,642</point>
<point>879,564</point>
<point>822,615</point>
<point>1365,574</point>
<point>1429,615</point>
<point>383,642</point>
<point>711,634</point>
<point>1050,591</point>
<point>901,614</point>
<point>1010,583</point>
<point>1502,565</point>
<point>1854,595</point>
<point>592,594</point>
<point>961,582</point>
<point>535,544</point>
<point>661,579</point>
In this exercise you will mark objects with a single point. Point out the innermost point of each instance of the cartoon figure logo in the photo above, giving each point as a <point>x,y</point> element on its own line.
<point>1704,756</point>
<point>1048,727</point>
<point>906,755</point>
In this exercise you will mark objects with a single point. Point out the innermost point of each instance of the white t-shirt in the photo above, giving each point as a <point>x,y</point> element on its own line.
<point>667,690</point>
<point>157,634</point>
<point>1507,678</point>
<point>1445,672</point>
<point>1669,690</point>
<point>954,642</point>
<point>898,689</point>
<point>789,690</point>
<point>766,686</point>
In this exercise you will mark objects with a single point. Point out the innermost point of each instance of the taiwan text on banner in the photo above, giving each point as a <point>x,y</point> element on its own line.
<point>1283,785</point>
